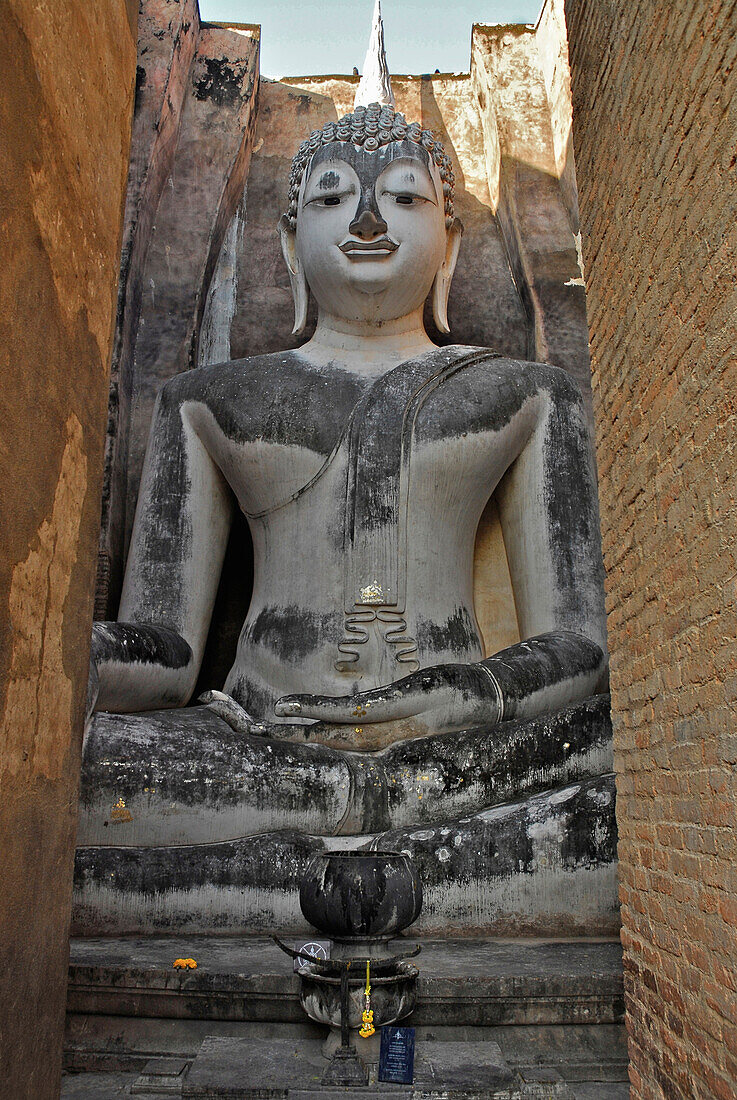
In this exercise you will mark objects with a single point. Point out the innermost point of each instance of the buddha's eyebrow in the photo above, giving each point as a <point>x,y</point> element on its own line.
<point>407,176</point>
<point>329,180</point>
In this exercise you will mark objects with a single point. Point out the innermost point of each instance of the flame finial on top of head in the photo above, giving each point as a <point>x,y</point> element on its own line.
<point>375,85</point>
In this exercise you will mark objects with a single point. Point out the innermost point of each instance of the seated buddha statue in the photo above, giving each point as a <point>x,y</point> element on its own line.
<point>363,462</point>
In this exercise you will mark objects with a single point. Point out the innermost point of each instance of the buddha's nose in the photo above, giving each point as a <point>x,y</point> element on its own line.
<point>368,223</point>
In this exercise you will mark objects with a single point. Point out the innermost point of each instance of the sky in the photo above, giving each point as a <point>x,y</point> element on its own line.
<point>308,37</point>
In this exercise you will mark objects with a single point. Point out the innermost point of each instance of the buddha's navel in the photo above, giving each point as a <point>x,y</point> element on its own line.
<point>371,628</point>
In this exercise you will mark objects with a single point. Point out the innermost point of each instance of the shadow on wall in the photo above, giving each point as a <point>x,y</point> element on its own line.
<point>196,88</point>
<point>488,307</point>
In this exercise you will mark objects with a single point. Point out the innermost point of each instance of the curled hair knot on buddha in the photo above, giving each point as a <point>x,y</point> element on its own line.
<point>371,127</point>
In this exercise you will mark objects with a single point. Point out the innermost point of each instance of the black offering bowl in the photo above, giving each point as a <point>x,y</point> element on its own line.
<point>361,899</point>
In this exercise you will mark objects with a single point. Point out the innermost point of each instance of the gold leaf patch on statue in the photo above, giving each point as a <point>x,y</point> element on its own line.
<point>120,812</point>
<point>372,594</point>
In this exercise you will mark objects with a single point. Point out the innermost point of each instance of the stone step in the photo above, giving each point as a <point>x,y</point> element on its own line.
<point>110,1086</point>
<point>461,982</point>
<point>243,1069</point>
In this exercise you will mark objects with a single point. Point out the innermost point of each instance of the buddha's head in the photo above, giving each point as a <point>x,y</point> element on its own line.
<point>370,227</point>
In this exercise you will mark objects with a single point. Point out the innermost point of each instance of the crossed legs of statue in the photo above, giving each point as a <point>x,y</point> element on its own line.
<point>186,777</point>
<point>187,825</point>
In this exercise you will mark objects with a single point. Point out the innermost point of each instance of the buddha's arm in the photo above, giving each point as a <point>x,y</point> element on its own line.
<point>150,658</point>
<point>549,514</point>
<point>548,507</point>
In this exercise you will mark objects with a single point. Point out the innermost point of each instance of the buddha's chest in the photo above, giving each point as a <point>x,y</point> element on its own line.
<point>338,438</point>
<point>445,471</point>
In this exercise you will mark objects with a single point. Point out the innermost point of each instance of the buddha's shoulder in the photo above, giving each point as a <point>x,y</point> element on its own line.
<point>521,377</point>
<point>279,370</point>
<point>280,397</point>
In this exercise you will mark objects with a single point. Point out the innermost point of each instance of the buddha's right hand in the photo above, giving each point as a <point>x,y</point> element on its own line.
<point>439,699</point>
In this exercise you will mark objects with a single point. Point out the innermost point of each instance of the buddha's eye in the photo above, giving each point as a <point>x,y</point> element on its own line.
<point>331,200</point>
<point>404,200</point>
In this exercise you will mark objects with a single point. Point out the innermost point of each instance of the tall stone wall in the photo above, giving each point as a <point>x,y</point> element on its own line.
<point>522,88</point>
<point>655,135</point>
<point>65,109</point>
<point>196,88</point>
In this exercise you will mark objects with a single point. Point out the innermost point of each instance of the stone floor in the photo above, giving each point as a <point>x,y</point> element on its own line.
<point>109,1086</point>
<point>588,1062</point>
<point>106,1086</point>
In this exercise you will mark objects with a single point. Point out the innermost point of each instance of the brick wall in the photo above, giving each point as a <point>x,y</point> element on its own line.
<point>655,137</point>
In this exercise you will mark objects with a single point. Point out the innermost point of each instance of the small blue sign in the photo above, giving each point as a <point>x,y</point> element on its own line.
<point>397,1055</point>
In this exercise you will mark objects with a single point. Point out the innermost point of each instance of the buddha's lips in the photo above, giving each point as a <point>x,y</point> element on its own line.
<point>383,245</point>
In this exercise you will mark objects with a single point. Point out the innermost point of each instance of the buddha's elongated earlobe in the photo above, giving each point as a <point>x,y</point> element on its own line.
<point>444,277</point>
<point>297,281</point>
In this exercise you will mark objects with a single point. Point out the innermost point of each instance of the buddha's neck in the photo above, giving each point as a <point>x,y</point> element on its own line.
<point>367,348</point>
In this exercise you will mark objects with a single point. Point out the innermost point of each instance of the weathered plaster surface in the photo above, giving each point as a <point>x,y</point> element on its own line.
<point>167,36</point>
<point>197,203</point>
<point>38,705</point>
<point>65,121</point>
<point>517,869</point>
<point>522,85</point>
<point>226,793</point>
<point>195,91</point>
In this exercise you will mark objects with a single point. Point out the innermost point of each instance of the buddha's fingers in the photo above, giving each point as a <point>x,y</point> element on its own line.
<point>231,712</point>
<point>400,700</point>
<point>358,738</point>
<point>439,690</point>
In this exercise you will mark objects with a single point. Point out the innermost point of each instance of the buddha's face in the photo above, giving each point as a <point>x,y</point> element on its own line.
<point>371,233</point>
